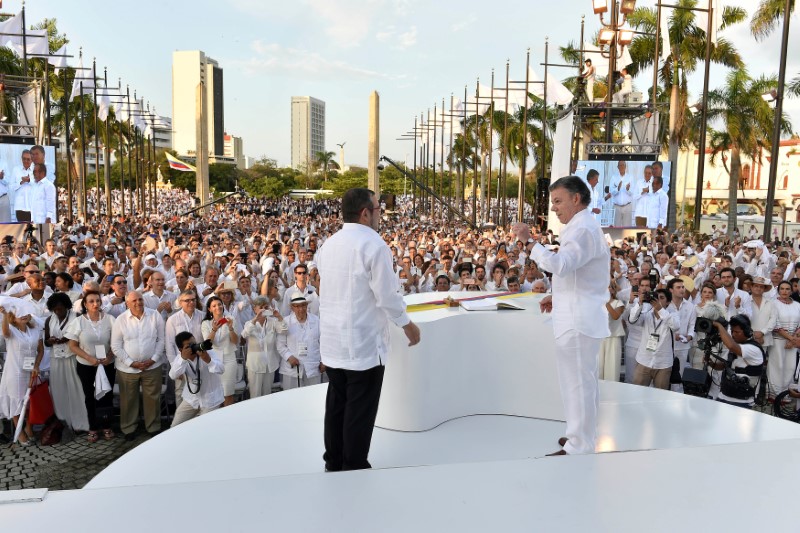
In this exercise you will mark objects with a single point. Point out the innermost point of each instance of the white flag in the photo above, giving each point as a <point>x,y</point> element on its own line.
<point>666,44</point>
<point>701,18</point>
<point>103,103</point>
<point>82,76</point>
<point>556,92</point>
<point>12,25</point>
<point>58,59</point>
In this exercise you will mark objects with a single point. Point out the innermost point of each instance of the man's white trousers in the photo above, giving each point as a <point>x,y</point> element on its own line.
<point>576,357</point>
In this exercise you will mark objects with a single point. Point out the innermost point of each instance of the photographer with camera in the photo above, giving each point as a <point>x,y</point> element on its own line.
<point>740,375</point>
<point>656,350</point>
<point>202,368</point>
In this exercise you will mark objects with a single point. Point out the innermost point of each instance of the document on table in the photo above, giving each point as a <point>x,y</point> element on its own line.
<point>490,304</point>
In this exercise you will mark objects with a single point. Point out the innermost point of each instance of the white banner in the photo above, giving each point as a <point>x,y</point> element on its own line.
<point>562,144</point>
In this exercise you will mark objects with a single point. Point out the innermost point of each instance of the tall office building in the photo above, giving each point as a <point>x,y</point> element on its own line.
<point>189,68</point>
<point>308,130</point>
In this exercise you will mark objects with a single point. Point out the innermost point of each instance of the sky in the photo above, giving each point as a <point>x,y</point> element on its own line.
<point>413,52</point>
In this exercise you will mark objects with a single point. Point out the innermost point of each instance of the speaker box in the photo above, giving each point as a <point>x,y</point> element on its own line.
<point>696,382</point>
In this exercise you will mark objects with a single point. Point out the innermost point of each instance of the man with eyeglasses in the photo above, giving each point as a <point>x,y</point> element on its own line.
<point>114,303</point>
<point>302,286</point>
<point>22,289</point>
<point>158,297</point>
<point>187,318</point>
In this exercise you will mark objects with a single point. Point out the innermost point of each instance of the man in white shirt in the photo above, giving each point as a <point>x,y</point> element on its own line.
<point>5,202</point>
<point>114,302</point>
<point>137,340</point>
<point>158,298</point>
<point>622,193</point>
<point>580,320</point>
<point>298,346</point>
<point>657,202</point>
<point>736,301</point>
<point>687,316</point>
<point>20,187</point>
<point>641,192</point>
<point>201,369</point>
<point>300,285</point>
<point>626,87</point>
<point>42,197</point>
<point>655,355</point>
<point>187,318</point>
<point>596,205</point>
<point>658,172</point>
<point>588,75</point>
<point>359,298</point>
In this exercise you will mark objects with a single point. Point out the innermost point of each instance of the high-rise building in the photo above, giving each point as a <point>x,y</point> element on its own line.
<point>308,130</point>
<point>234,151</point>
<point>189,68</point>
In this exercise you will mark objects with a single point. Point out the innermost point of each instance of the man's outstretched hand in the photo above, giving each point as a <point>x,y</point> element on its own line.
<point>546,305</point>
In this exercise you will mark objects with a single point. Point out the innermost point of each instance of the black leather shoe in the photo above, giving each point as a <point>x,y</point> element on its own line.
<point>562,441</point>
<point>559,452</point>
<point>130,436</point>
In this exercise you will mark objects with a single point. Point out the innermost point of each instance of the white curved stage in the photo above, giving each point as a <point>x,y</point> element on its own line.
<point>680,462</point>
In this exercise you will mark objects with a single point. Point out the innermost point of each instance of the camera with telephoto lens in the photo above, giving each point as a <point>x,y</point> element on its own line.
<point>735,385</point>
<point>647,296</point>
<point>201,346</point>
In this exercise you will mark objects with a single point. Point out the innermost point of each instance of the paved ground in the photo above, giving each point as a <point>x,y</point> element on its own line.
<point>69,465</point>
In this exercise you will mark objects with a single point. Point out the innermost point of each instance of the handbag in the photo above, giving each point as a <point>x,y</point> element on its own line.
<point>40,407</point>
<point>675,376</point>
<point>51,434</point>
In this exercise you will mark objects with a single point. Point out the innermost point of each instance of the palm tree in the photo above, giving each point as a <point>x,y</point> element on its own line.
<point>747,121</point>
<point>688,46</point>
<point>767,16</point>
<point>325,160</point>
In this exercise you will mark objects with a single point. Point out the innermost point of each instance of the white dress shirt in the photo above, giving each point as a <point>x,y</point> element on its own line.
<point>745,306</point>
<point>764,319</point>
<point>138,339</point>
<point>359,297</point>
<point>620,191</point>
<point>292,338</point>
<point>178,323</point>
<point>580,277</point>
<point>210,393</point>
<point>641,197</point>
<point>262,347</point>
<point>597,201</point>
<point>152,301</point>
<point>656,205</point>
<point>42,201</point>
<point>310,294</point>
<point>664,326</point>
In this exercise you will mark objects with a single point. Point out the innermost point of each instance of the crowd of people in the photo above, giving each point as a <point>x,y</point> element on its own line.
<point>224,306</point>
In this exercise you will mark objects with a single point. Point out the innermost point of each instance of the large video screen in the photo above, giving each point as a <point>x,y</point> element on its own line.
<point>624,195</point>
<point>28,195</point>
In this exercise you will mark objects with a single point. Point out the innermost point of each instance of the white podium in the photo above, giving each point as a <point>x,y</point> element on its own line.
<point>471,363</point>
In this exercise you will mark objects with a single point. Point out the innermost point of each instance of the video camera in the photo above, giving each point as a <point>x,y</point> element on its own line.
<point>712,338</point>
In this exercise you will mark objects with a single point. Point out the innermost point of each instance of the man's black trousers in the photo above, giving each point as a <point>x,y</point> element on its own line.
<point>350,410</point>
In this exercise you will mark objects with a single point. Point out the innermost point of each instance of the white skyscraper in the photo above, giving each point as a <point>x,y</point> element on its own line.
<point>188,69</point>
<point>308,129</point>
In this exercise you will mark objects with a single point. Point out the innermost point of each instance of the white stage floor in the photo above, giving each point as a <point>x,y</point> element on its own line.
<point>258,465</point>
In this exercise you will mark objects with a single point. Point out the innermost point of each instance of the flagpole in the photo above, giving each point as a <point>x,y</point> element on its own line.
<point>24,44</point>
<point>84,198</point>
<point>464,156</point>
<point>491,215</point>
<point>121,157</point>
<point>541,195</point>
<point>98,200</point>
<point>107,153</point>
<point>47,105</point>
<point>441,167</point>
<point>524,152</point>
<point>69,155</point>
<point>475,157</point>
<point>131,178</point>
<point>450,195</point>
<point>504,161</point>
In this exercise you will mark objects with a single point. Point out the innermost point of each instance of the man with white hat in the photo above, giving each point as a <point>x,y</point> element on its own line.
<point>765,315</point>
<point>298,346</point>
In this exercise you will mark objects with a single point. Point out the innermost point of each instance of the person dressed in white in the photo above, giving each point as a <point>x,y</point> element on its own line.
<point>611,349</point>
<point>622,194</point>
<point>765,315</point>
<point>641,193</point>
<point>783,352</point>
<point>263,358</point>
<point>187,318</point>
<point>626,87</point>
<point>221,330</point>
<point>687,317</point>
<point>580,320</point>
<point>359,298</point>
<point>298,346</point>
<point>201,369</point>
<point>655,356</point>
<point>588,75</point>
<point>745,357</point>
<point>657,202</point>
<point>20,186</point>
<point>42,197</point>
<point>596,204</point>
<point>736,301</point>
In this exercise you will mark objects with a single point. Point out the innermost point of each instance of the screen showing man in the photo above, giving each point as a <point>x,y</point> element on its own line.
<point>22,198</point>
